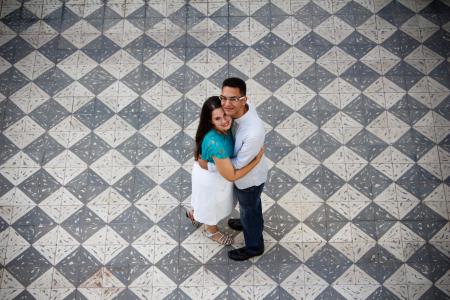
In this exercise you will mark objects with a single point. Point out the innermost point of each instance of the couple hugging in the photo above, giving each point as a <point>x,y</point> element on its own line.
<point>230,167</point>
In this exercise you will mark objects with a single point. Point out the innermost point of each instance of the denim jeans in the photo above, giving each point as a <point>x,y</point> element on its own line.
<point>251,216</point>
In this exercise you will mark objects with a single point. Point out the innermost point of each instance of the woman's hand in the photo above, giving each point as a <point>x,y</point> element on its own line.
<point>260,154</point>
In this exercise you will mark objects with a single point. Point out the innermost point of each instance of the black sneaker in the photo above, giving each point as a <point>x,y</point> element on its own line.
<point>235,224</point>
<point>243,254</point>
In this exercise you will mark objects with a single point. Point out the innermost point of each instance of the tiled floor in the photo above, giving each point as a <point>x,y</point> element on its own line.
<point>99,104</point>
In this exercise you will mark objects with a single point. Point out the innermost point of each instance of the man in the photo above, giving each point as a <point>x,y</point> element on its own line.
<point>248,132</point>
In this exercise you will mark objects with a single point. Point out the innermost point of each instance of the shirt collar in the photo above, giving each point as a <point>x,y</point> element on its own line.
<point>246,116</point>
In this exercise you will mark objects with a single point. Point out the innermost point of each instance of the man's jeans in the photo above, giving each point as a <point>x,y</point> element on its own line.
<point>251,216</point>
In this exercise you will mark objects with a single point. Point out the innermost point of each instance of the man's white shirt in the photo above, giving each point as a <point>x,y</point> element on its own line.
<point>248,134</point>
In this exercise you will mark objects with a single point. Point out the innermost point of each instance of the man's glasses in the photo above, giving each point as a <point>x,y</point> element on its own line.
<point>232,99</point>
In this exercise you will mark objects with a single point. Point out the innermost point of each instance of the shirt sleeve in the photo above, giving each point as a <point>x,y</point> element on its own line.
<point>248,152</point>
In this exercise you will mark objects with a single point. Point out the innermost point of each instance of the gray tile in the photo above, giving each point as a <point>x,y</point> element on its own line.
<point>83,224</point>
<point>78,266</point>
<point>184,79</point>
<point>127,294</point>
<point>396,13</point>
<point>170,224</point>
<point>136,148</point>
<point>9,114</point>
<point>278,222</point>
<point>145,17</point>
<point>180,49</point>
<point>444,144</point>
<point>15,49</point>
<point>61,19</point>
<point>100,49</point>
<point>180,147</point>
<point>103,18</point>
<point>178,272</point>
<point>400,44</point>
<point>272,77</point>
<point>97,80</point>
<point>278,263</point>
<point>323,182</point>
<point>271,46</point>
<point>90,148</point>
<point>360,76</point>
<point>5,185</point>
<point>25,295</point>
<point>318,111</point>
<point>39,186</point>
<point>354,14</point>
<point>86,186</point>
<point>34,225</point>
<point>357,45</point>
<point>138,113</point>
<point>409,110</point>
<point>131,224</point>
<point>76,295</point>
<point>28,266</point>
<point>418,182</point>
<point>276,146</point>
<point>141,79</point>
<point>379,263</point>
<point>330,294</point>
<point>183,112</point>
<point>316,78</point>
<point>11,81</point>
<point>413,144</point>
<point>314,45</point>
<point>229,71</point>
<point>441,74</point>
<point>143,48</point>
<point>326,221</point>
<point>128,265</point>
<point>424,221</point>
<point>363,110</point>
<point>278,183</point>
<point>279,293</point>
<point>404,75</point>
<point>367,145</point>
<point>178,184</point>
<point>43,149</point>
<point>437,12</point>
<point>382,293</point>
<point>374,221</point>
<point>228,47</point>
<point>439,43</point>
<point>434,293</point>
<point>7,149</point>
<point>270,15</point>
<point>370,182</point>
<point>53,81</point>
<point>94,113</point>
<point>444,108</point>
<point>328,263</point>
<point>134,185</point>
<point>311,15</point>
<point>57,49</point>
<point>20,19</point>
<point>49,114</point>
<point>273,111</point>
<point>430,262</point>
<point>320,145</point>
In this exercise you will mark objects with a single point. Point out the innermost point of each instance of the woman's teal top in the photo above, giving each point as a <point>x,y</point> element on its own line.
<point>218,145</point>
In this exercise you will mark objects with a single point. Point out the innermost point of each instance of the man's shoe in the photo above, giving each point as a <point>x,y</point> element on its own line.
<point>243,254</point>
<point>235,224</point>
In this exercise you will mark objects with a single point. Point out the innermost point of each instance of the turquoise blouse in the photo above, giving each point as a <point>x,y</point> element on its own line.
<point>218,145</point>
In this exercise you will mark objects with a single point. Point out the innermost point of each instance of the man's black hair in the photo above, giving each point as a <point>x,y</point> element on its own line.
<point>235,82</point>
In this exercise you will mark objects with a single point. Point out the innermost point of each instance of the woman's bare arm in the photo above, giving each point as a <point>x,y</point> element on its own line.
<point>227,170</point>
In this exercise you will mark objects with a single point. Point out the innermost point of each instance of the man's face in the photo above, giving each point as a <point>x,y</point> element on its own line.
<point>233,108</point>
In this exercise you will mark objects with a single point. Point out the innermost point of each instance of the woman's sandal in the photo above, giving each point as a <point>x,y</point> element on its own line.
<point>225,239</point>
<point>190,216</point>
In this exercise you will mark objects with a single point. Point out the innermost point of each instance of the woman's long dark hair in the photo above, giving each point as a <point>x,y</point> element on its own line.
<point>205,124</point>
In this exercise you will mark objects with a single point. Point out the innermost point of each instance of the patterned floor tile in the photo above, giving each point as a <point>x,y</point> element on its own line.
<point>98,109</point>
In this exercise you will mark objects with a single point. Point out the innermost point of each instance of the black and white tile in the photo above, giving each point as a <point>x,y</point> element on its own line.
<point>99,102</point>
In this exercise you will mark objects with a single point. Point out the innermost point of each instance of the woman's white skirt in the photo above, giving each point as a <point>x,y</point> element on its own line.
<point>212,196</point>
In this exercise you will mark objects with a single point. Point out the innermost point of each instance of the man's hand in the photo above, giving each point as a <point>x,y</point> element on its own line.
<point>203,163</point>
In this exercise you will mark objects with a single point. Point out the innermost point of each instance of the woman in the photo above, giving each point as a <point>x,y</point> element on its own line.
<point>212,192</point>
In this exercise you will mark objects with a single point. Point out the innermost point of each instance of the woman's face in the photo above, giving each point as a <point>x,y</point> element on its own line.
<point>220,120</point>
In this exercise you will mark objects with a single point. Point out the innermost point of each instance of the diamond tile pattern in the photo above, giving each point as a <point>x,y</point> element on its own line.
<point>355,99</point>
